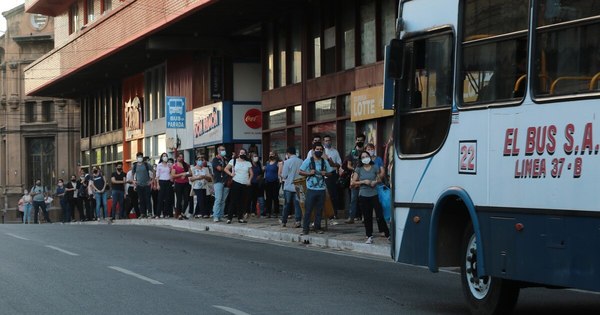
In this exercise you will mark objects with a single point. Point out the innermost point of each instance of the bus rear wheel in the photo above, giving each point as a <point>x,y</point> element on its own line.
<point>485,295</point>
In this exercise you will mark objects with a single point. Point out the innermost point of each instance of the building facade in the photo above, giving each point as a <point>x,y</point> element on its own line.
<point>40,135</point>
<point>164,75</point>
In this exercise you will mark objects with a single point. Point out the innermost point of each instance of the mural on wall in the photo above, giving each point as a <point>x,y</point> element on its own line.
<point>133,119</point>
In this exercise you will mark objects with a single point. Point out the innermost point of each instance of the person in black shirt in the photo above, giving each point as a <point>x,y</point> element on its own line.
<point>71,195</point>
<point>118,191</point>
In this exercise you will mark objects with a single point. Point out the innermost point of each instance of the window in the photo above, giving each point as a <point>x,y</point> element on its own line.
<point>281,44</point>
<point>324,110</point>
<point>494,62</point>
<point>424,94</point>
<point>270,59</point>
<point>106,5</point>
<point>277,118</point>
<point>89,14</point>
<point>388,23</point>
<point>73,18</point>
<point>367,32</point>
<point>47,111</point>
<point>278,141</point>
<point>316,44</point>
<point>154,91</point>
<point>566,56</point>
<point>296,51</point>
<point>296,115</point>
<point>348,35</point>
<point>41,162</point>
<point>30,111</point>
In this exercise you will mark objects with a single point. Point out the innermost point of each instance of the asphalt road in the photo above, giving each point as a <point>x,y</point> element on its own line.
<point>109,269</point>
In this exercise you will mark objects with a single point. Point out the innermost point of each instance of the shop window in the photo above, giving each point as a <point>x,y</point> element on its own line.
<point>347,105</point>
<point>296,115</point>
<point>278,141</point>
<point>349,137</point>
<point>297,135</point>
<point>277,118</point>
<point>348,37</point>
<point>324,110</point>
<point>367,32</point>
<point>325,129</point>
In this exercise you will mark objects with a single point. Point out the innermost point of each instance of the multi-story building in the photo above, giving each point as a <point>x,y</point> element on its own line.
<point>266,72</point>
<point>40,135</point>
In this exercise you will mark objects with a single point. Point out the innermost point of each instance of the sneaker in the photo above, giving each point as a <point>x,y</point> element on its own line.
<point>205,216</point>
<point>297,225</point>
<point>319,231</point>
<point>228,221</point>
<point>217,220</point>
<point>242,221</point>
<point>369,240</point>
<point>350,221</point>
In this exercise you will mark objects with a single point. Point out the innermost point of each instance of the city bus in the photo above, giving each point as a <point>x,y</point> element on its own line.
<point>496,164</point>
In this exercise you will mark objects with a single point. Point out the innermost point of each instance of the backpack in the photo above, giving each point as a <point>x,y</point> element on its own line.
<point>313,165</point>
<point>148,167</point>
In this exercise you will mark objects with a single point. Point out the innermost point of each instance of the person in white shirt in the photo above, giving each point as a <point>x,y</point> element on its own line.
<point>165,187</point>
<point>200,178</point>
<point>240,170</point>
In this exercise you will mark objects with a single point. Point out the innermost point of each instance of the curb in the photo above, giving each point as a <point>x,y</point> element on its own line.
<point>321,240</point>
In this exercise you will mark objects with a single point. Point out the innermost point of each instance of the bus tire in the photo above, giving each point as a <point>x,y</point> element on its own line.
<point>485,295</point>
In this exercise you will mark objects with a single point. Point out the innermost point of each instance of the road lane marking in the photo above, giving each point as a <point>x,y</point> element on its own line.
<point>62,250</point>
<point>131,273</point>
<point>17,236</point>
<point>230,310</point>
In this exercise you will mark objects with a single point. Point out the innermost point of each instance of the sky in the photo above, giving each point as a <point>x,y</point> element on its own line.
<point>6,5</point>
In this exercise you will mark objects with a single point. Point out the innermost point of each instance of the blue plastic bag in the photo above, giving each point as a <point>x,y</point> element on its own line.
<point>385,199</point>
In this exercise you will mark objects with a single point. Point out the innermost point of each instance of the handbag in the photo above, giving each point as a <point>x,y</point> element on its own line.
<point>343,181</point>
<point>385,199</point>
<point>48,200</point>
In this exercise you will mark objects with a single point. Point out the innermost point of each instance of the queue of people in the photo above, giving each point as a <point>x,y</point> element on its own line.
<point>225,188</point>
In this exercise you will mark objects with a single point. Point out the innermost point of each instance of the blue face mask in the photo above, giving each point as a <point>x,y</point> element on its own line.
<point>199,163</point>
<point>223,153</point>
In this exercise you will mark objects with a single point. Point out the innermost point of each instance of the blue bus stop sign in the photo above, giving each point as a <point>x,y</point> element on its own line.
<point>175,112</point>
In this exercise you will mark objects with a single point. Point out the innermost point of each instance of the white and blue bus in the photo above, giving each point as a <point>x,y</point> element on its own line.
<point>496,165</point>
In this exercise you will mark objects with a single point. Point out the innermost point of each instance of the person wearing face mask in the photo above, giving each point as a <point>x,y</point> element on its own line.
<point>25,202</point>
<point>142,174</point>
<point>165,187</point>
<point>180,174</point>
<point>366,178</point>
<point>38,196</point>
<point>352,160</point>
<point>84,196</point>
<point>289,173</point>
<point>200,178</point>
<point>98,184</point>
<point>271,169</point>
<point>64,206</point>
<point>117,178</point>
<point>240,170</point>
<point>257,189</point>
<point>332,156</point>
<point>220,178</point>
<point>71,188</point>
<point>315,169</point>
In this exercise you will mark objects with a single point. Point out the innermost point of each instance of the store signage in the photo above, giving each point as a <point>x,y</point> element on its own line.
<point>208,125</point>
<point>368,104</point>
<point>247,122</point>
<point>175,112</point>
<point>253,118</point>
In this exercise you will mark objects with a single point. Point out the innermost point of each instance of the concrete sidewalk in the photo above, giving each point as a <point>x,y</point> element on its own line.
<point>342,236</point>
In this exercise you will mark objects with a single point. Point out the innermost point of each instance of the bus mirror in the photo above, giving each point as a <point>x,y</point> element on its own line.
<point>393,59</point>
<point>392,71</point>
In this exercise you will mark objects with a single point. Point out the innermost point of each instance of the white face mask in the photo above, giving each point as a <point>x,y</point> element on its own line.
<point>255,159</point>
<point>140,159</point>
<point>371,152</point>
<point>164,158</point>
<point>366,160</point>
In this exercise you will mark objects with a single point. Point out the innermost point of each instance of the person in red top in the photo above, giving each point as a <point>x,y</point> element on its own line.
<point>180,173</point>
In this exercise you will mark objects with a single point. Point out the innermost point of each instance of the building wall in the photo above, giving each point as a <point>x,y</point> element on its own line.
<point>40,136</point>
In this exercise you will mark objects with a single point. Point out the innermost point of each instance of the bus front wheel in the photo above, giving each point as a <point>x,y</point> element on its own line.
<point>485,294</point>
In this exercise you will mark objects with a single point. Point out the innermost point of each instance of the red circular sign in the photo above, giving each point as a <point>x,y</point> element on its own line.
<point>253,118</point>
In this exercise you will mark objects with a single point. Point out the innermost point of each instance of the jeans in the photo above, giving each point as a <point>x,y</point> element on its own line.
<point>165,198</point>
<point>118,197</point>
<point>239,197</point>
<point>144,200</point>
<point>200,208</point>
<point>27,213</point>
<point>315,199</point>
<point>272,202</point>
<point>367,204</point>
<point>182,193</point>
<point>332,188</point>
<point>66,210</point>
<point>101,200</point>
<point>354,210</point>
<point>36,208</point>
<point>221,193</point>
<point>290,198</point>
